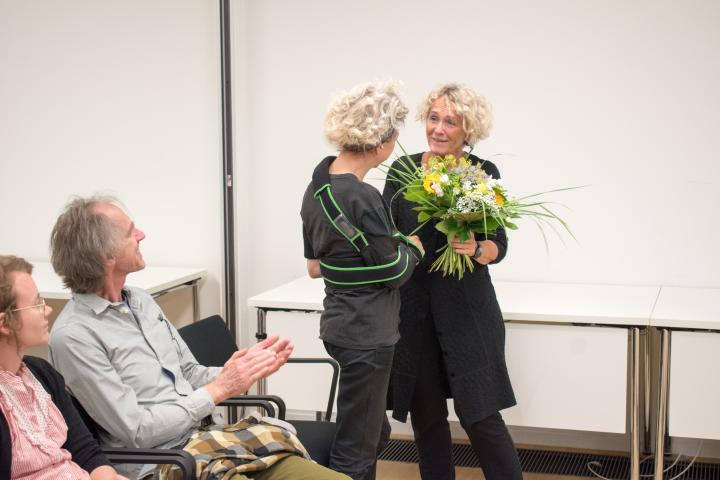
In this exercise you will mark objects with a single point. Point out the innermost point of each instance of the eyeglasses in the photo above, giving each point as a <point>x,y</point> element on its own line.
<point>175,340</point>
<point>40,305</point>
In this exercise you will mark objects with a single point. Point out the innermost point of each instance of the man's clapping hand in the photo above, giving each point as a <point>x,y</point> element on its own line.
<point>249,365</point>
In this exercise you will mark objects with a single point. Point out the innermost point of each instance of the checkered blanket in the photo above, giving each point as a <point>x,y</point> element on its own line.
<point>254,443</point>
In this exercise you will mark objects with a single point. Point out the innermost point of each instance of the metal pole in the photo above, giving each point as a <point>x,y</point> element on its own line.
<point>662,404</point>
<point>646,391</point>
<point>196,303</point>
<point>260,335</point>
<point>635,405</point>
<point>227,162</point>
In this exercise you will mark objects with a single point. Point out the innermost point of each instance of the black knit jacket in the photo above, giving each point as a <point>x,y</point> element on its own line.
<point>82,446</point>
<point>465,315</point>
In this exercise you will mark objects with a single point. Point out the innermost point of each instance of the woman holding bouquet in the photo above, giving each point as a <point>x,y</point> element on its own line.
<point>348,239</point>
<point>452,341</point>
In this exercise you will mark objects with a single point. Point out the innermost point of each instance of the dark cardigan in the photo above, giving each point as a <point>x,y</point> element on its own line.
<point>466,316</point>
<point>82,446</point>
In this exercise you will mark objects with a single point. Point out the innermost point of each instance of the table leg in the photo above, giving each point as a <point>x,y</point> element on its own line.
<point>196,302</point>
<point>261,334</point>
<point>635,405</point>
<point>662,404</point>
<point>646,390</point>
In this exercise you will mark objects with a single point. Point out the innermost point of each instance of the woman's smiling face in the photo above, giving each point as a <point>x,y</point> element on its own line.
<point>444,130</point>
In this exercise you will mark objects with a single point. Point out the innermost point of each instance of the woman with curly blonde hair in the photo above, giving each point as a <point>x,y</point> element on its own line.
<point>347,229</point>
<point>452,341</point>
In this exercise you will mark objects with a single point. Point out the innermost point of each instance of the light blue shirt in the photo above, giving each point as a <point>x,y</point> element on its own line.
<point>131,370</point>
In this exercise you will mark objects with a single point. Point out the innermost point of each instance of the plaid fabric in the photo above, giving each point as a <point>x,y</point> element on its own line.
<point>254,443</point>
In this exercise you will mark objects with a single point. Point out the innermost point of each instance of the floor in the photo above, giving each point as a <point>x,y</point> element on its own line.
<point>409,471</point>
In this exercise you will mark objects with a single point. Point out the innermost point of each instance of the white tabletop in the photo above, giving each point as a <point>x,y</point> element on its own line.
<point>304,293</point>
<point>576,303</point>
<point>682,307</point>
<point>526,301</point>
<point>151,279</point>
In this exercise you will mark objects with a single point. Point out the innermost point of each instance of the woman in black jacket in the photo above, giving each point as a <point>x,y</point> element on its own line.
<point>41,434</point>
<point>452,341</point>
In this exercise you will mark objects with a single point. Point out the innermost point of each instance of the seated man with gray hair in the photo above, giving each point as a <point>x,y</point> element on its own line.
<point>127,364</point>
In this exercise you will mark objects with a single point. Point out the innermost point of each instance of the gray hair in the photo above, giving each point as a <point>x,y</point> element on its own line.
<point>365,117</point>
<point>468,105</point>
<point>82,240</point>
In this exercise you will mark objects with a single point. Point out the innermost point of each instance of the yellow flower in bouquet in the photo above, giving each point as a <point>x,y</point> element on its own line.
<point>429,181</point>
<point>465,200</point>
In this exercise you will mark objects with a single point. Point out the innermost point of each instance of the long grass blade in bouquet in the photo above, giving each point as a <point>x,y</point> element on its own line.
<point>466,200</point>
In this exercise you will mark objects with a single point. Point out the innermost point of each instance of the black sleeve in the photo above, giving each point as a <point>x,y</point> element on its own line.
<point>307,245</point>
<point>5,448</point>
<point>80,443</point>
<point>375,222</point>
<point>383,246</point>
<point>500,236</point>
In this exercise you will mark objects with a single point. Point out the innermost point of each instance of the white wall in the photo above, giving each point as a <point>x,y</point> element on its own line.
<point>119,96</point>
<point>124,96</point>
<point>619,96</point>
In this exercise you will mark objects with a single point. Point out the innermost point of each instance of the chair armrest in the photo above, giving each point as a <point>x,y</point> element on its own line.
<point>264,401</point>
<point>333,386</point>
<point>159,456</point>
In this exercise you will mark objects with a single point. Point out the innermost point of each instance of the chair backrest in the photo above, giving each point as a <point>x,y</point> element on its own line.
<point>209,340</point>
<point>212,344</point>
<point>89,422</point>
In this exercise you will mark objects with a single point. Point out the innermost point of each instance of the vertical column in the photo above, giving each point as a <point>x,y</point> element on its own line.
<point>227,166</point>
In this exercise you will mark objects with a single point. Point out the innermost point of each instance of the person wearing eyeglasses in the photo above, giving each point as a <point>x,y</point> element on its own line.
<point>41,434</point>
<point>127,365</point>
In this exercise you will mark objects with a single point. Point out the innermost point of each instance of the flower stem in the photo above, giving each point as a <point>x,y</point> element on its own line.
<point>452,262</point>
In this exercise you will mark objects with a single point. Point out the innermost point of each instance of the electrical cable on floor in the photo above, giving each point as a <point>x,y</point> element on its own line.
<point>595,463</point>
<point>689,464</point>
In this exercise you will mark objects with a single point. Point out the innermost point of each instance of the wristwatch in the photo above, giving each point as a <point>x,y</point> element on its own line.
<point>478,249</point>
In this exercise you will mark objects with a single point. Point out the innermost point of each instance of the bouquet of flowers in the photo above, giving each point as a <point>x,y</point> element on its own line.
<point>466,200</point>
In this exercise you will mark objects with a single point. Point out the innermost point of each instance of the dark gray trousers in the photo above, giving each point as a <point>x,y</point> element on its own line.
<point>363,429</point>
<point>489,437</point>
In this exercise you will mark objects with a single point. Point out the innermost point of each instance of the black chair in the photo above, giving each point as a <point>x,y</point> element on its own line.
<point>178,457</point>
<point>158,456</point>
<point>212,344</point>
<point>172,456</point>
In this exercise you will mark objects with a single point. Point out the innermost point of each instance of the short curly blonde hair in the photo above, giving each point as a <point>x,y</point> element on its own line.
<point>471,107</point>
<point>365,117</point>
